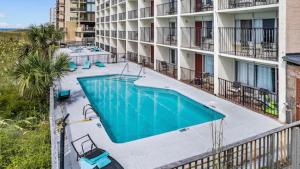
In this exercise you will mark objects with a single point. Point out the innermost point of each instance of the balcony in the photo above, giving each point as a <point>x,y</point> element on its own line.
<point>169,8</point>
<point>167,36</point>
<point>132,56</point>
<point>122,34</point>
<point>107,18</point>
<point>107,33</point>
<point>232,4</point>
<point>114,17</point>
<point>200,80</point>
<point>88,29</point>
<point>133,35</point>
<point>122,16</point>
<point>88,40</point>
<point>102,19</point>
<point>107,3</point>
<point>114,34</point>
<point>257,99</point>
<point>147,61</point>
<point>133,14</point>
<point>147,34</point>
<point>146,12</point>
<point>260,43</point>
<point>102,32</point>
<point>113,50</point>
<point>102,6</point>
<point>193,6</point>
<point>114,2</point>
<point>165,68</point>
<point>120,1</point>
<point>197,38</point>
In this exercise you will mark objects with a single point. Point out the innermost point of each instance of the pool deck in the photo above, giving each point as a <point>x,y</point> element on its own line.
<point>158,150</point>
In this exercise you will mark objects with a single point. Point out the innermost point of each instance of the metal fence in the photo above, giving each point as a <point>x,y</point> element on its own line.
<point>258,99</point>
<point>147,34</point>
<point>168,69</point>
<point>275,149</point>
<point>122,16</point>
<point>197,38</point>
<point>147,61</point>
<point>146,12</point>
<point>231,4</point>
<point>169,8</point>
<point>200,80</point>
<point>132,56</point>
<point>261,43</point>
<point>191,6</point>
<point>167,35</point>
<point>133,14</point>
<point>133,35</point>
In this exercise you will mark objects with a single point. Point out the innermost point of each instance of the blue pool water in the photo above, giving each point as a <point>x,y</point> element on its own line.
<point>129,112</point>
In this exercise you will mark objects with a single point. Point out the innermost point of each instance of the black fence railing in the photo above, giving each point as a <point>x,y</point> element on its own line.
<point>114,17</point>
<point>147,61</point>
<point>167,35</point>
<point>169,8</point>
<point>133,14</point>
<point>133,35</point>
<point>146,12</point>
<point>274,149</point>
<point>114,2</point>
<point>102,32</point>
<point>107,18</point>
<point>122,34</point>
<point>197,38</point>
<point>107,33</point>
<point>102,6</point>
<point>165,68</point>
<point>200,80</point>
<point>132,56</point>
<point>192,6</point>
<point>147,34</point>
<point>231,4</point>
<point>261,43</point>
<point>114,34</point>
<point>122,16</point>
<point>257,99</point>
<point>102,19</point>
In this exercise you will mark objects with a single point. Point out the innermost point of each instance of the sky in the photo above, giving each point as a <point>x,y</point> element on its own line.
<point>23,13</point>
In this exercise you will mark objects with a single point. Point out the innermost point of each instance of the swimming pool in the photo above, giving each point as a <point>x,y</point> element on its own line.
<point>129,112</point>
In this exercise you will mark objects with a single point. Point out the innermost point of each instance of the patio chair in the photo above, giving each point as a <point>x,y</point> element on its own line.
<point>164,66</point>
<point>235,88</point>
<point>87,64</point>
<point>72,66</point>
<point>92,157</point>
<point>99,64</point>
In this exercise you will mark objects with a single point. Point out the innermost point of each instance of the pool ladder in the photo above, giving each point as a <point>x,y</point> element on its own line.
<point>85,109</point>
<point>126,66</point>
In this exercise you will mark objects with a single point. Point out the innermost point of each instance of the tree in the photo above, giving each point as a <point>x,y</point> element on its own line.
<point>35,74</point>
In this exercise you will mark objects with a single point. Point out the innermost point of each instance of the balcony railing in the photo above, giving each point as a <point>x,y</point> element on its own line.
<point>133,35</point>
<point>192,6</point>
<point>107,18</point>
<point>166,68</point>
<point>107,33</point>
<point>102,19</point>
<point>133,14</point>
<point>102,32</point>
<point>257,99</point>
<point>114,2</point>
<point>121,1</point>
<point>113,50</point>
<point>114,17</point>
<point>122,34</point>
<point>102,6</point>
<point>88,29</point>
<point>167,35</point>
<point>197,38</point>
<point>88,40</point>
<point>107,3</point>
<point>147,34</point>
<point>200,80</point>
<point>122,16</point>
<point>132,56</point>
<point>231,4</point>
<point>146,12</point>
<point>114,34</point>
<point>147,61</point>
<point>261,43</point>
<point>169,8</point>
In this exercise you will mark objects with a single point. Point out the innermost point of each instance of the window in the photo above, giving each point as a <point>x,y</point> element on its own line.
<point>269,30</point>
<point>209,29</point>
<point>209,64</point>
<point>173,58</point>
<point>259,76</point>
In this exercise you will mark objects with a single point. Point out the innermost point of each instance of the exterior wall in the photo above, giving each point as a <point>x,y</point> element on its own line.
<point>293,26</point>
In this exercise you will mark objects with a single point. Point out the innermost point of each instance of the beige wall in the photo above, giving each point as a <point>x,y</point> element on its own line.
<point>292,75</point>
<point>293,26</point>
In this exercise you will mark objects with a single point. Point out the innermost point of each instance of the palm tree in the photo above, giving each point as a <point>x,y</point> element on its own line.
<point>44,39</point>
<point>35,74</point>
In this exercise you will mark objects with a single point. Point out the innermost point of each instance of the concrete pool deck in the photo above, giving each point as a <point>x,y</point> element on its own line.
<point>158,150</point>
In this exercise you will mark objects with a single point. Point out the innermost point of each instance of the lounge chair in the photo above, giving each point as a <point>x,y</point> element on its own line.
<point>87,64</point>
<point>91,156</point>
<point>99,64</point>
<point>63,94</point>
<point>72,66</point>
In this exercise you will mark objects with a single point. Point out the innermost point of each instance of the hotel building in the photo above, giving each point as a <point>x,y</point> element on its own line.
<point>231,48</point>
<point>77,19</point>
